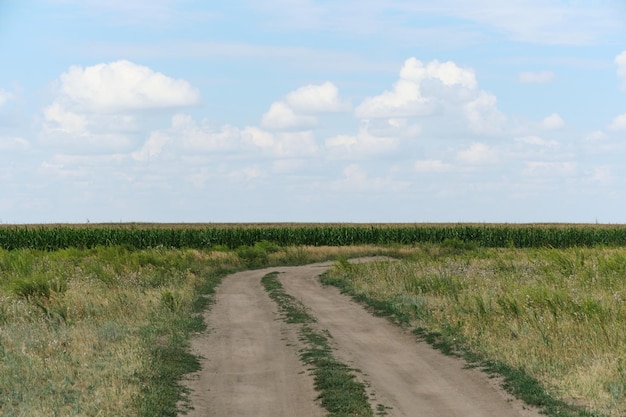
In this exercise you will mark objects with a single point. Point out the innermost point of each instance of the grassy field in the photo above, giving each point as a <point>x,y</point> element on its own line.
<point>104,331</point>
<point>95,319</point>
<point>552,316</point>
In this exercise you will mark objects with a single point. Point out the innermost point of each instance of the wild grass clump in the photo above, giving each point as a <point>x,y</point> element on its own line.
<point>556,316</point>
<point>100,331</point>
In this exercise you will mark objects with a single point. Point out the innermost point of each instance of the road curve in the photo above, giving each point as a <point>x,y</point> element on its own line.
<point>251,367</point>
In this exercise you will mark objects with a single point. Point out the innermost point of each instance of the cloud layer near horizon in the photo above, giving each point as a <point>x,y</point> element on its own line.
<point>434,120</point>
<point>311,110</point>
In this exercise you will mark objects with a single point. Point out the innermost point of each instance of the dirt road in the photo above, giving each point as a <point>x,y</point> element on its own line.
<point>251,365</point>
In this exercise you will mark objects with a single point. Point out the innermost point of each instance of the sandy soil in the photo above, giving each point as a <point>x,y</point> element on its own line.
<point>251,365</point>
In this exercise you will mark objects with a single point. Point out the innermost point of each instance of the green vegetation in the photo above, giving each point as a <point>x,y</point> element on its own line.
<point>140,236</point>
<point>104,331</point>
<point>95,320</point>
<point>101,331</point>
<point>340,393</point>
<point>551,321</point>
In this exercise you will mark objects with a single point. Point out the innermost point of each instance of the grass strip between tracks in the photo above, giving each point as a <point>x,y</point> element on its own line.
<point>340,392</point>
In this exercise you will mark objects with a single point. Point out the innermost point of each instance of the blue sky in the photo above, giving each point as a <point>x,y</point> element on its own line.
<point>312,110</point>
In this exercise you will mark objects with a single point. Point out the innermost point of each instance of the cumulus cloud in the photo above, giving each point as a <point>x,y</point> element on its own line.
<point>483,115</point>
<point>297,110</point>
<point>317,99</point>
<point>602,175</point>
<point>620,61</point>
<point>363,143</point>
<point>595,136</point>
<point>618,123</point>
<point>5,96</point>
<point>543,169</point>
<point>406,98</point>
<point>541,77</point>
<point>98,107</point>
<point>431,166</point>
<point>282,117</point>
<point>537,141</point>
<point>435,89</point>
<point>448,73</point>
<point>280,144</point>
<point>478,154</point>
<point>121,86</point>
<point>13,144</point>
<point>554,121</point>
<point>355,179</point>
<point>187,136</point>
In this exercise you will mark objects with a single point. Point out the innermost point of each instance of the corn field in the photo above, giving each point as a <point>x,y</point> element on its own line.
<point>143,236</point>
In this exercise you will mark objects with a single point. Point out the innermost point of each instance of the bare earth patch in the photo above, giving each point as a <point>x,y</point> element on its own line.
<point>251,365</point>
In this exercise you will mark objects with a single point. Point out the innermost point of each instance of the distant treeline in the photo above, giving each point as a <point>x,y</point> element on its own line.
<point>232,236</point>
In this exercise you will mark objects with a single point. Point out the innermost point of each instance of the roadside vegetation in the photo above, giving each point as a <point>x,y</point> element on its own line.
<point>105,331</point>
<point>95,320</point>
<point>552,322</point>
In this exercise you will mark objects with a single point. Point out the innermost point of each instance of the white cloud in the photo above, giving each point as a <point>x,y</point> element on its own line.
<point>398,128</point>
<point>5,96</point>
<point>246,174</point>
<point>317,99</point>
<point>602,175</point>
<point>544,169</point>
<point>98,108</point>
<point>82,133</point>
<point>620,61</point>
<point>435,90</point>
<point>122,86</point>
<point>296,111</point>
<point>554,121</point>
<point>431,165</point>
<point>618,123</point>
<point>537,141</point>
<point>152,147</point>
<point>363,143</point>
<point>483,115</point>
<point>448,73</point>
<point>63,121</point>
<point>355,179</point>
<point>13,144</point>
<point>478,154</point>
<point>407,99</point>
<point>541,77</point>
<point>595,136</point>
<point>186,136</point>
<point>282,117</point>
<point>281,144</point>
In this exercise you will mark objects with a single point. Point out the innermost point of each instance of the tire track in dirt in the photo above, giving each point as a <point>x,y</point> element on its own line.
<point>251,367</point>
<point>409,376</point>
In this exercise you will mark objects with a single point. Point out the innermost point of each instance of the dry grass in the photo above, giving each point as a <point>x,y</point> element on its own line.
<point>77,328</point>
<point>560,315</point>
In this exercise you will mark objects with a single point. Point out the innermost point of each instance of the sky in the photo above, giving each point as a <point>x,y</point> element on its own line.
<point>312,111</point>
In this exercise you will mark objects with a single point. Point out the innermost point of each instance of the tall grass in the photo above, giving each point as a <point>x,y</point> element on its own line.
<point>559,316</point>
<point>104,331</point>
<point>92,332</point>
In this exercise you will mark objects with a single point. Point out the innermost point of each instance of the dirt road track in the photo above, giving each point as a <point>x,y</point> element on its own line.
<point>251,366</point>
